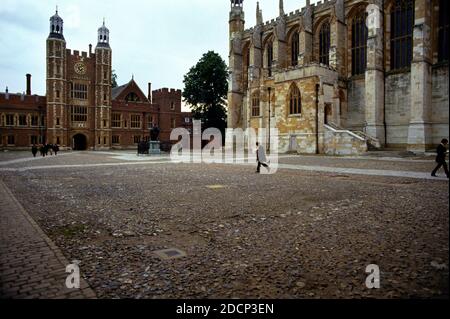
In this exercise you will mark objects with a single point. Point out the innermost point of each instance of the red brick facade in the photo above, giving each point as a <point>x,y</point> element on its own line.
<point>81,110</point>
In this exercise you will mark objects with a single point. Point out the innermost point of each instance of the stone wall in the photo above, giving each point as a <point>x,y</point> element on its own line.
<point>440,109</point>
<point>398,105</point>
<point>356,104</point>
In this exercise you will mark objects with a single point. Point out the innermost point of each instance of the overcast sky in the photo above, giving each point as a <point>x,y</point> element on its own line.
<point>157,41</point>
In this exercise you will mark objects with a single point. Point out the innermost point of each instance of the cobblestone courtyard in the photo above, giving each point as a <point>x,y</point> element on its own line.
<point>308,231</point>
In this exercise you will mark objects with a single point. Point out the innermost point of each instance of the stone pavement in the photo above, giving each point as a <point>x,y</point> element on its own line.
<point>31,266</point>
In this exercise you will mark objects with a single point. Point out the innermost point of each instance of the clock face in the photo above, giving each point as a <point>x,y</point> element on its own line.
<point>80,68</point>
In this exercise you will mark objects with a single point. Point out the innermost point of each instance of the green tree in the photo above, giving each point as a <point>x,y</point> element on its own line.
<point>205,89</point>
<point>114,79</point>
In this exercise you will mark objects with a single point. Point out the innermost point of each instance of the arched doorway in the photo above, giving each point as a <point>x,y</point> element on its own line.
<point>79,142</point>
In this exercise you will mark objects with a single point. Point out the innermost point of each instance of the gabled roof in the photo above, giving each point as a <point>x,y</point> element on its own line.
<point>120,93</point>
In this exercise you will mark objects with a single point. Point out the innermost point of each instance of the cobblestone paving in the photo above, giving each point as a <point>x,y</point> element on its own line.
<point>295,234</point>
<point>31,266</point>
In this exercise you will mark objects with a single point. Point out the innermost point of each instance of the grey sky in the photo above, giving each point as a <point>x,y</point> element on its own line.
<point>157,41</point>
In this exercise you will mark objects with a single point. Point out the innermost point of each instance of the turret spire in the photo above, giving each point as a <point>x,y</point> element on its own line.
<point>259,17</point>
<point>281,5</point>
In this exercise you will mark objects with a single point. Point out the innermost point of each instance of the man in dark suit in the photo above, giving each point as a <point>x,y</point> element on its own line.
<point>440,159</point>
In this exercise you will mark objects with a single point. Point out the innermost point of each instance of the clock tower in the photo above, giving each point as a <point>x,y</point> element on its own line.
<point>78,92</point>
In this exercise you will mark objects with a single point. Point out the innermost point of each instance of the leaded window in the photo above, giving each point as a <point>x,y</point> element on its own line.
<point>295,102</point>
<point>135,121</point>
<point>255,105</point>
<point>79,113</point>
<point>402,23</point>
<point>324,44</point>
<point>443,31</point>
<point>294,48</point>
<point>78,91</point>
<point>116,120</point>
<point>359,44</point>
<point>269,58</point>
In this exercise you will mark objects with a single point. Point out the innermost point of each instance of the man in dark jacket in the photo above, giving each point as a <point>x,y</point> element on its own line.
<point>440,159</point>
<point>34,150</point>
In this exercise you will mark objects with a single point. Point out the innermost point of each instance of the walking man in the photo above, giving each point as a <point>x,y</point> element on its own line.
<point>34,150</point>
<point>261,158</point>
<point>440,159</point>
<point>56,149</point>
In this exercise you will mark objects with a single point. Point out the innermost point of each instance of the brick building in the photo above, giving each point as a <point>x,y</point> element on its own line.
<point>81,110</point>
<point>342,74</point>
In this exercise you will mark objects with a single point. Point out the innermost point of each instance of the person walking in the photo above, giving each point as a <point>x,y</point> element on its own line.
<point>440,158</point>
<point>56,149</point>
<point>42,150</point>
<point>261,158</point>
<point>34,150</point>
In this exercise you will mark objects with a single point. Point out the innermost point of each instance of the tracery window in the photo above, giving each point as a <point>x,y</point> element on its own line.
<point>295,101</point>
<point>402,23</point>
<point>359,43</point>
<point>255,104</point>
<point>294,48</point>
<point>443,31</point>
<point>324,44</point>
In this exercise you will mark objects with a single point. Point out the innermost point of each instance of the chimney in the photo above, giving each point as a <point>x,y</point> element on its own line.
<point>7,94</point>
<point>150,92</point>
<point>90,50</point>
<point>28,84</point>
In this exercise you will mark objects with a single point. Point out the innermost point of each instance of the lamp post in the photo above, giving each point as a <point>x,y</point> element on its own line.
<point>270,90</point>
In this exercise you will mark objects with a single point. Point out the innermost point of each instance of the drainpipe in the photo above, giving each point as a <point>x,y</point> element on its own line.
<point>317,118</point>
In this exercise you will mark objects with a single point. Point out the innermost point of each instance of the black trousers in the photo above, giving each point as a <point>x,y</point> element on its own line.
<point>258,169</point>
<point>443,163</point>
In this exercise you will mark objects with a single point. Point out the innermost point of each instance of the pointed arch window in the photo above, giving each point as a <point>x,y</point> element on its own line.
<point>270,57</point>
<point>359,43</point>
<point>256,111</point>
<point>295,48</point>
<point>295,101</point>
<point>402,23</point>
<point>443,31</point>
<point>324,44</point>
<point>246,66</point>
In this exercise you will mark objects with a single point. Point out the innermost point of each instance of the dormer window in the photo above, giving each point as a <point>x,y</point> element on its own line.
<point>132,97</point>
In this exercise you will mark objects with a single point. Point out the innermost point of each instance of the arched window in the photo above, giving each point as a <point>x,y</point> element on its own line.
<point>255,104</point>
<point>294,48</point>
<point>443,31</point>
<point>132,97</point>
<point>295,101</point>
<point>246,66</point>
<point>324,44</point>
<point>359,43</point>
<point>269,57</point>
<point>402,23</point>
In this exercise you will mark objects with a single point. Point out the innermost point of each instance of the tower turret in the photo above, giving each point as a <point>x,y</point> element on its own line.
<point>56,91</point>
<point>103,96</point>
<point>103,36</point>
<point>235,88</point>
<point>259,16</point>
<point>56,27</point>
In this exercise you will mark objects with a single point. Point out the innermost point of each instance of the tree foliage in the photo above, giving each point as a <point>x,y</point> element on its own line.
<point>205,89</point>
<point>114,79</point>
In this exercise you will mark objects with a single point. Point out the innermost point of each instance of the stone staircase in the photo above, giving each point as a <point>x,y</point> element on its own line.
<point>373,144</point>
